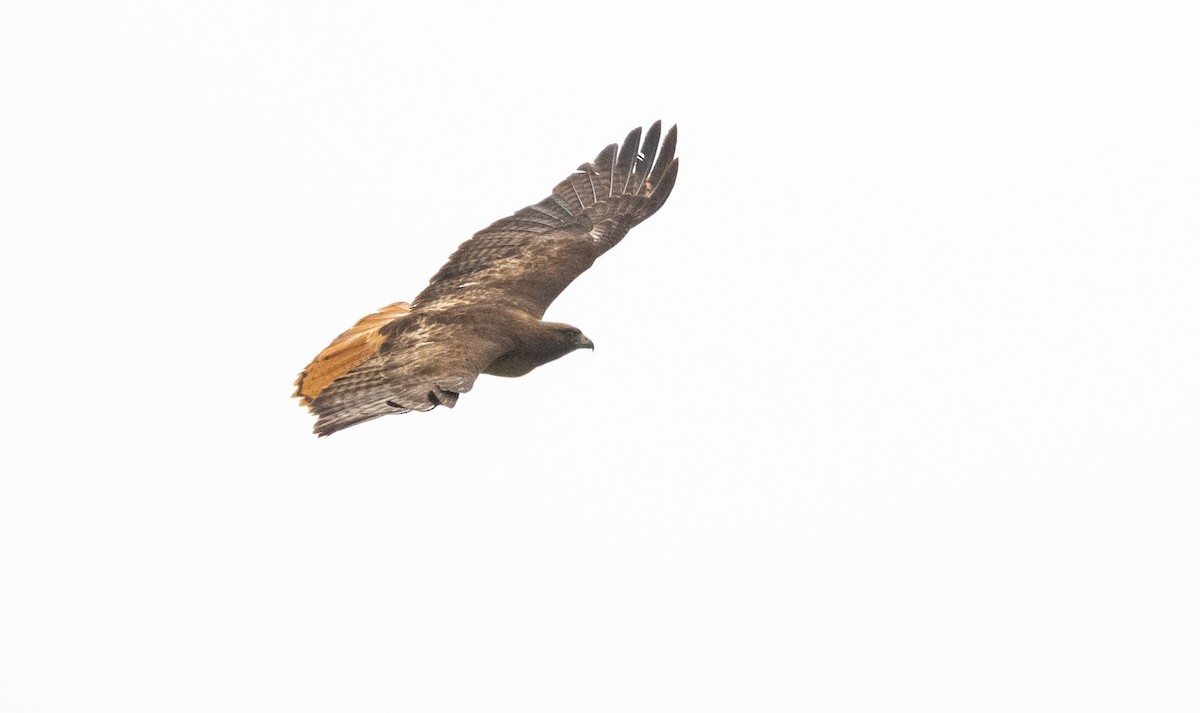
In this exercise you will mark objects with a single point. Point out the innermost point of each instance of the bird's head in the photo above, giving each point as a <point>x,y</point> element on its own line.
<point>576,339</point>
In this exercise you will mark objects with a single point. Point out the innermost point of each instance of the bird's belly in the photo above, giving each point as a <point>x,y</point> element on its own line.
<point>512,364</point>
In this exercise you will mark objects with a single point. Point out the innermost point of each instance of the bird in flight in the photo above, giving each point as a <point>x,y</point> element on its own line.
<point>482,312</point>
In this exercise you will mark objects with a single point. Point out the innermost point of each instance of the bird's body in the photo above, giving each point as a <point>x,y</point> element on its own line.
<point>482,312</point>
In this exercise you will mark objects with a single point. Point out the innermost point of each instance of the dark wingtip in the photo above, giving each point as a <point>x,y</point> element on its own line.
<point>645,159</point>
<point>662,190</point>
<point>626,160</point>
<point>665,155</point>
<point>605,162</point>
<point>606,156</point>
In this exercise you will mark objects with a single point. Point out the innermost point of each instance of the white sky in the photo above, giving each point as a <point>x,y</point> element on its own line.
<point>893,406</point>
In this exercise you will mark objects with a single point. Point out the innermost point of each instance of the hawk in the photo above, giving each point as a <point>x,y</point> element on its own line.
<point>482,312</point>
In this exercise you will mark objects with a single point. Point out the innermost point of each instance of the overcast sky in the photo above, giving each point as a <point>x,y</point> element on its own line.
<point>893,405</point>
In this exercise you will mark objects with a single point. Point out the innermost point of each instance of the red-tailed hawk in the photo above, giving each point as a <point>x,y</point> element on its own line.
<point>482,312</point>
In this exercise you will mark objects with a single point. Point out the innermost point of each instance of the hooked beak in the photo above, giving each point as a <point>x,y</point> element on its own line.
<point>585,343</point>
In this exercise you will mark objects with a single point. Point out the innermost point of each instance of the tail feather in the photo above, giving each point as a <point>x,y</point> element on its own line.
<point>344,384</point>
<point>351,348</point>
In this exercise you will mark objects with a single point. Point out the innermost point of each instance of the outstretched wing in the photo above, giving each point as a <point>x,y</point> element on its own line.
<point>529,258</point>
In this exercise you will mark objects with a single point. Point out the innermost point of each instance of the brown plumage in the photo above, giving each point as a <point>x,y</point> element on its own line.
<point>482,312</point>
